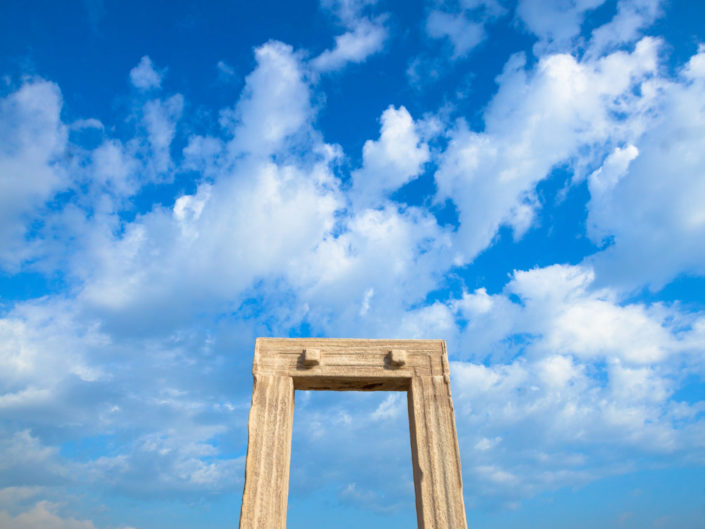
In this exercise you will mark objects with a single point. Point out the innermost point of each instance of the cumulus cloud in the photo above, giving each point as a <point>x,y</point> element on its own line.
<point>32,141</point>
<point>559,25</point>
<point>464,28</point>
<point>166,465</point>
<point>647,198</point>
<point>249,202</point>
<point>224,239</point>
<point>561,311</point>
<point>41,346</point>
<point>114,168</point>
<point>366,36</point>
<point>274,105</point>
<point>117,170</point>
<point>615,112</point>
<point>538,119</point>
<point>555,23</point>
<point>347,11</point>
<point>392,161</point>
<point>43,514</point>
<point>383,262</point>
<point>144,76</point>
<point>260,222</point>
<point>630,20</point>
<point>572,369</point>
<point>55,384</point>
<point>464,34</point>
<point>26,462</point>
<point>364,39</point>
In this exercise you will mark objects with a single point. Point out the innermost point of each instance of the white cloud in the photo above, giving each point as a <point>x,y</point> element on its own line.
<point>204,154</point>
<point>166,463</point>
<point>115,168</point>
<point>612,170</point>
<point>647,198</point>
<point>392,406</point>
<point>366,38</point>
<point>555,23</point>
<point>246,229</point>
<point>556,416</point>
<point>395,159</point>
<point>37,161</point>
<point>160,119</point>
<point>397,254</point>
<point>464,34</point>
<point>12,496</point>
<point>366,34</point>
<point>144,76</point>
<point>538,120</point>
<point>572,370</point>
<point>43,515</point>
<point>347,11</point>
<point>465,26</point>
<point>53,382</point>
<point>25,461</point>
<point>563,312</point>
<point>592,324</point>
<point>628,24</point>
<point>261,222</point>
<point>39,344</point>
<point>576,112</point>
<point>275,103</point>
<point>32,141</point>
<point>559,25</point>
<point>243,227</point>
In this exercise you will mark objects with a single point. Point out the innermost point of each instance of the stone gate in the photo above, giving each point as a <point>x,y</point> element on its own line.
<point>419,367</point>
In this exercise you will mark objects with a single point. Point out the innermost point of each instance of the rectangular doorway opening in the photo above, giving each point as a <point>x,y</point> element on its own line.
<point>351,461</point>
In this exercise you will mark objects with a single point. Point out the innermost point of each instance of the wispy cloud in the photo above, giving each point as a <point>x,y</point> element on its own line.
<point>365,36</point>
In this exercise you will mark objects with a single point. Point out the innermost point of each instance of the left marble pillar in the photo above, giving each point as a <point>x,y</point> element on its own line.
<point>264,499</point>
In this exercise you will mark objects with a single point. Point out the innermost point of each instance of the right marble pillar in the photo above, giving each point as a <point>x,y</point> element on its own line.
<point>435,454</point>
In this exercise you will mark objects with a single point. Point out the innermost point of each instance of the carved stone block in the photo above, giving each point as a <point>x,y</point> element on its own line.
<point>312,357</point>
<point>397,357</point>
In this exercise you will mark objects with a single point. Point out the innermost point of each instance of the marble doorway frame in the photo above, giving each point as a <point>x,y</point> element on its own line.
<point>419,367</point>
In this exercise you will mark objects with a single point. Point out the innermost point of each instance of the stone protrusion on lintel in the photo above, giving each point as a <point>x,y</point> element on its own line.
<point>311,357</point>
<point>397,357</point>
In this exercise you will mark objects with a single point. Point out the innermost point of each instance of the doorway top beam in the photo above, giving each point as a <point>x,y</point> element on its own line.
<point>349,364</point>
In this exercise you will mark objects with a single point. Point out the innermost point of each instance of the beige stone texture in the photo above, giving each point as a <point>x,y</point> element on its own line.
<point>419,367</point>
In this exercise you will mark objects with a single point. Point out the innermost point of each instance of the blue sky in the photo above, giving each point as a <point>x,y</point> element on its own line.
<point>523,179</point>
